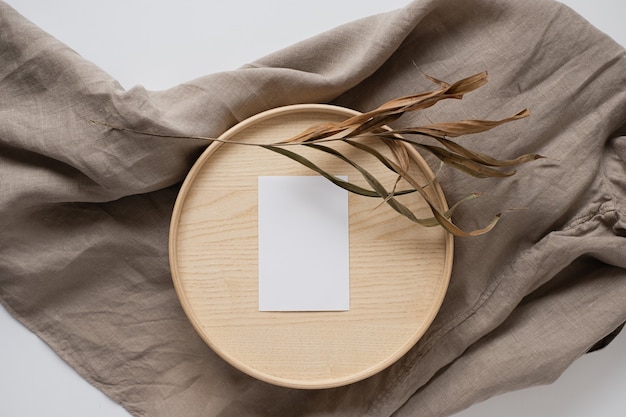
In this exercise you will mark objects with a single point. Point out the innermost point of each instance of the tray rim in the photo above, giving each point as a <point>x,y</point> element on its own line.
<point>172,250</point>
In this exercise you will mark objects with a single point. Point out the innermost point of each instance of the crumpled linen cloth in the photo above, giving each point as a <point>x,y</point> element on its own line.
<point>84,210</point>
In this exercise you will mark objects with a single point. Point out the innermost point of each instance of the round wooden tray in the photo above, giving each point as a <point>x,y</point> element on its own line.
<point>399,271</point>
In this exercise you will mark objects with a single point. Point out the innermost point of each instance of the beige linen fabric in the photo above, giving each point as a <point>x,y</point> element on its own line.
<point>84,210</point>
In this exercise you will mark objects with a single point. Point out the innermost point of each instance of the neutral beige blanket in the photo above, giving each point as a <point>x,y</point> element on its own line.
<point>84,210</point>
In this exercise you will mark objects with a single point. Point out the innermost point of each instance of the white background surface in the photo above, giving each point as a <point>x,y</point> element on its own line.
<point>159,44</point>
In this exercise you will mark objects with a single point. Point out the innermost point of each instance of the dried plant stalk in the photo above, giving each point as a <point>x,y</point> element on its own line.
<point>451,153</point>
<point>373,124</point>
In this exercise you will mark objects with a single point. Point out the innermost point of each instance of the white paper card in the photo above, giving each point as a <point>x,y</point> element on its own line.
<point>303,245</point>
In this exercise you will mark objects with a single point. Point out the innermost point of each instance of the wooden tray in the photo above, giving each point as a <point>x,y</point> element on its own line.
<point>399,271</point>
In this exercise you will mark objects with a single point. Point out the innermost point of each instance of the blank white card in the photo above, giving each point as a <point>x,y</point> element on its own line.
<point>303,245</point>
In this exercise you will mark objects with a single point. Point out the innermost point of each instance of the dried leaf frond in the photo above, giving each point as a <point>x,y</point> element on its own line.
<point>373,124</point>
